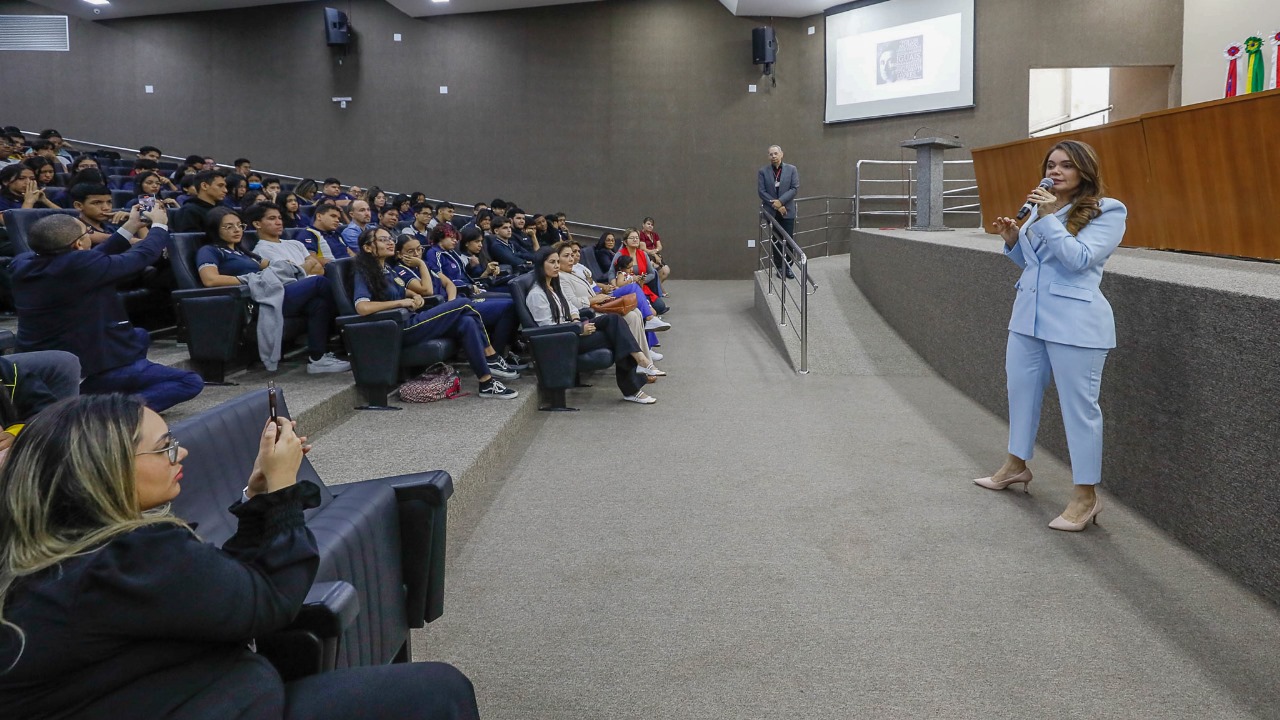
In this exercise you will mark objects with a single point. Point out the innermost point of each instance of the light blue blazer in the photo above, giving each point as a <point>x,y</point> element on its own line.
<point>1058,297</point>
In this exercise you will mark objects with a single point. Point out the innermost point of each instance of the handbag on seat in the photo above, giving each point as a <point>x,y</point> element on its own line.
<point>616,306</point>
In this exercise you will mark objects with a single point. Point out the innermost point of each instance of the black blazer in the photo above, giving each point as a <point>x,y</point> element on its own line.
<point>156,623</point>
<point>69,301</point>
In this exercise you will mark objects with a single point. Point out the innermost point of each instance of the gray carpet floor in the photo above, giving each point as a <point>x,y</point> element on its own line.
<point>765,545</point>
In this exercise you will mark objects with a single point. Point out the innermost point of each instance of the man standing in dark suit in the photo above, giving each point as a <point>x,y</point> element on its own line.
<point>65,293</point>
<point>777,184</point>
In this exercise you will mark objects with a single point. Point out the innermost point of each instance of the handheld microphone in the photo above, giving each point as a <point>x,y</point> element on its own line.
<point>1027,207</point>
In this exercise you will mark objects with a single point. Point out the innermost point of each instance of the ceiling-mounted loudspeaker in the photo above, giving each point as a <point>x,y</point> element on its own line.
<point>337,30</point>
<point>764,46</point>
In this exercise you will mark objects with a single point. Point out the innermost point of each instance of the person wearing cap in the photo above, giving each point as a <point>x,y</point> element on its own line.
<point>66,299</point>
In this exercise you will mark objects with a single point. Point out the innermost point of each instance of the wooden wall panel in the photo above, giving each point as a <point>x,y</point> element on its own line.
<point>1201,178</point>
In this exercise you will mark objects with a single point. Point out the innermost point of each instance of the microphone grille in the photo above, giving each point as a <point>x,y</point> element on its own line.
<point>1046,183</point>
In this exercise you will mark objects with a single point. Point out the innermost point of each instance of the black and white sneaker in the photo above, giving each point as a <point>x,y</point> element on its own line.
<point>499,368</point>
<point>495,389</point>
<point>514,362</point>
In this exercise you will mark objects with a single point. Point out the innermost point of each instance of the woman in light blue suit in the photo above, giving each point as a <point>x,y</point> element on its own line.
<point>1062,327</point>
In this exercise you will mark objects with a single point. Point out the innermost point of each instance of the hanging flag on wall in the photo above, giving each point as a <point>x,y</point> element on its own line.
<point>1275,58</point>
<point>1255,72</point>
<point>1232,53</point>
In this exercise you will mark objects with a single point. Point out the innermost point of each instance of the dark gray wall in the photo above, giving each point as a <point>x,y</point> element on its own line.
<point>1190,428</point>
<point>612,110</point>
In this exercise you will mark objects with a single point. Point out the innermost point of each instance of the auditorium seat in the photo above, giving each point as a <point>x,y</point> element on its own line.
<point>19,222</point>
<point>589,260</point>
<point>557,362</point>
<point>120,182</point>
<point>120,198</point>
<point>374,343</point>
<point>386,537</point>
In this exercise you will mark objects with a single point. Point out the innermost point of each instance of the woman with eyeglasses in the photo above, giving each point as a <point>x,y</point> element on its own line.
<point>112,607</point>
<point>377,287</point>
<point>221,262</point>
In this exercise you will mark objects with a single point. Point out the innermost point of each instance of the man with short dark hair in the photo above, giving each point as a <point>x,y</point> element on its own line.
<point>46,150</point>
<point>499,207</point>
<point>242,166</point>
<point>210,190</point>
<point>190,166</point>
<point>149,152</point>
<point>522,234</point>
<point>332,189</point>
<point>389,220</point>
<point>444,215</point>
<point>60,150</point>
<point>65,294</point>
<point>500,246</point>
<point>94,204</point>
<point>421,225</point>
<point>323,239</point>
<point>271,187</point>
<point>11,148</point>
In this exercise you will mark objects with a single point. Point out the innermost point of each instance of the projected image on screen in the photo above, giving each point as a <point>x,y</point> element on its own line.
<point>896,57</point>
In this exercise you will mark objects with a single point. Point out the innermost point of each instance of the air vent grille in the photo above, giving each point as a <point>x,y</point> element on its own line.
<point>34,32</point>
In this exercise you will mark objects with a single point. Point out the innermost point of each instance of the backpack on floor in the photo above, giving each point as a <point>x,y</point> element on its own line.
<point>439,382</point>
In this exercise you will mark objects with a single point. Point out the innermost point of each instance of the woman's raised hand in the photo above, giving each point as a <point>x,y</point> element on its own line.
<point>280,453</point>
<point>1007,228</point>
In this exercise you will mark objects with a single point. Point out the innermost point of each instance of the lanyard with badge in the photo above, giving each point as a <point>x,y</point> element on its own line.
<point>777,178</point>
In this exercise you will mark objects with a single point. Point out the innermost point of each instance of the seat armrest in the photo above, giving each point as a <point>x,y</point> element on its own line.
<point>330,608</point>
<point>227,290</point>
<point>400,315</point>
<point>569,327</point>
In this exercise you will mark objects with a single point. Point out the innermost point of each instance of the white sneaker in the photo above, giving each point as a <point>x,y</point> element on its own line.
<point>654,355</point>
<point>651,370</point>
<point>640,398</point>
<point>327,363</point>
<point>656,324</point>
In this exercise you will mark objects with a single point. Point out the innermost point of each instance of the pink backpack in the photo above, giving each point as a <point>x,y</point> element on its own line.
<point>439,382</point>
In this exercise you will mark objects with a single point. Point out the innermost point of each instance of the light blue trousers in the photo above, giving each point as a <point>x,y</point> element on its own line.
<point>1029,364</point>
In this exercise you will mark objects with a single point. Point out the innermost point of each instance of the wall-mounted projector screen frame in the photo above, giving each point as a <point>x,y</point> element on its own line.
<point>898,57</point>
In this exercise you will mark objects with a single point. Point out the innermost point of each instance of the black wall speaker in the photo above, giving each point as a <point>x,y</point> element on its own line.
<point>764,46</point>
<point>337,30</point>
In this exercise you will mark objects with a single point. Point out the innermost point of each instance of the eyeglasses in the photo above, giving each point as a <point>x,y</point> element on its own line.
<point>171,450</point>
<point>415,251</point>
<point>237,226</point>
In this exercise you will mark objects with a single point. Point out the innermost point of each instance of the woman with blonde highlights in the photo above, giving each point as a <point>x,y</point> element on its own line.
<point>1062,326</point>
<point>110,607</point>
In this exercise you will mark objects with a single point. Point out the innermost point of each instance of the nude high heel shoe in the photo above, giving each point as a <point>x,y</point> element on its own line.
<point>1061,523</point>
<point>1023,477</point>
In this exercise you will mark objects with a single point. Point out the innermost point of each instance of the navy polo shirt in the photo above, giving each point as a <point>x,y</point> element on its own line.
<point>337,248</point>
<point>229,262</point>
<point>448,264</point>
<point>408,275</point>
<point>395,286</point>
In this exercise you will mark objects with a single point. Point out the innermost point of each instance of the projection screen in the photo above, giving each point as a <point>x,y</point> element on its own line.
<point>898,57</point>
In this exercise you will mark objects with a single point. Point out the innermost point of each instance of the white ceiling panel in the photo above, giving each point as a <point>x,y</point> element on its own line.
<point>415,8</point>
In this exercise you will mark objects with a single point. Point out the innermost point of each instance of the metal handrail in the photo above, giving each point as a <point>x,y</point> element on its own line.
<point>770,232</point>
<point>910,196</point>
<point>285,176</point>
<point>1108,108</point>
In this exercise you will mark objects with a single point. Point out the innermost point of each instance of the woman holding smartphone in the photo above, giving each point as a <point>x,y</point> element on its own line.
<point>1062,326</point>
<point>112,607</point>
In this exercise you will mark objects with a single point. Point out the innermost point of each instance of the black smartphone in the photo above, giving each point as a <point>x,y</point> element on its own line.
<point>271,403</point>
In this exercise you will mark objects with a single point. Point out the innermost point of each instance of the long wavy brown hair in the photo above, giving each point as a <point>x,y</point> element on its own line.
<point>1091,190</point>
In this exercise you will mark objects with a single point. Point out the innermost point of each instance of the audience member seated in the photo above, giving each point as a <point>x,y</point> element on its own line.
<point>88,176</point>
<point>544,234</point>
<point>12,148</point>
<point>61,151</point>
<point>332,190</point>
<point>93,202</point>
<point>631,247</point>
<point>523,234</point>
<point>477,210</point>
<point>426,277</point>
<point>323,238</point>
<point>271,187</point>
<point>84,162</point>
<point>625,282</point>
<point>307,190</point>
<point>361,218</point>
<point>420,228</point>
<point>149,152</point>
<point>378,288</point>
<point>32,382</point>
<point>221,263</point>
<point>237,188</point>
<point>242,167</point>
<point>210,191</point>
<point>65,294</point>
<point>482,269</point>
<point>581,295</point>
<point>46,174</point>
<point>605,249</point>
<point>267,220</point>
<point>192,165</point>
<point>377,200</point>
<point>548,305</point>
<point>444,216</point>
<point>46,149</point>
<point>114,608</point>
<point>389,220</point>
<point>18,190</point>
<point>149,184</point>
<point>500,246</point>
<point>403,205</point>
<point>290,209</point>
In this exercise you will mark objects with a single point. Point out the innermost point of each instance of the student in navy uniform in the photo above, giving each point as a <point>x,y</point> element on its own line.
<point>332,190</point>
<point>221,262</point>
<point>421,225</point>
<point>496,309</point>
<point>65,294</point>
<point>378,288</point>
<point>502,248</point>
<point>324,237</point>
<point>94,204</point>
<point>481,268</point>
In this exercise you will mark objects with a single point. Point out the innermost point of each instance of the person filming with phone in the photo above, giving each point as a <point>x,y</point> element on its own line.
<point>1062,327</point>
<point>112,607</point>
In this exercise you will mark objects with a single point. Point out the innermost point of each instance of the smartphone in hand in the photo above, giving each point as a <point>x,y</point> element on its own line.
<point>271,404</point>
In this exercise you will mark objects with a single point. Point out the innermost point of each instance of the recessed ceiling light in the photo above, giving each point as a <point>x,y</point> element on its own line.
<point>98,2</point>
<point>439,1</point>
